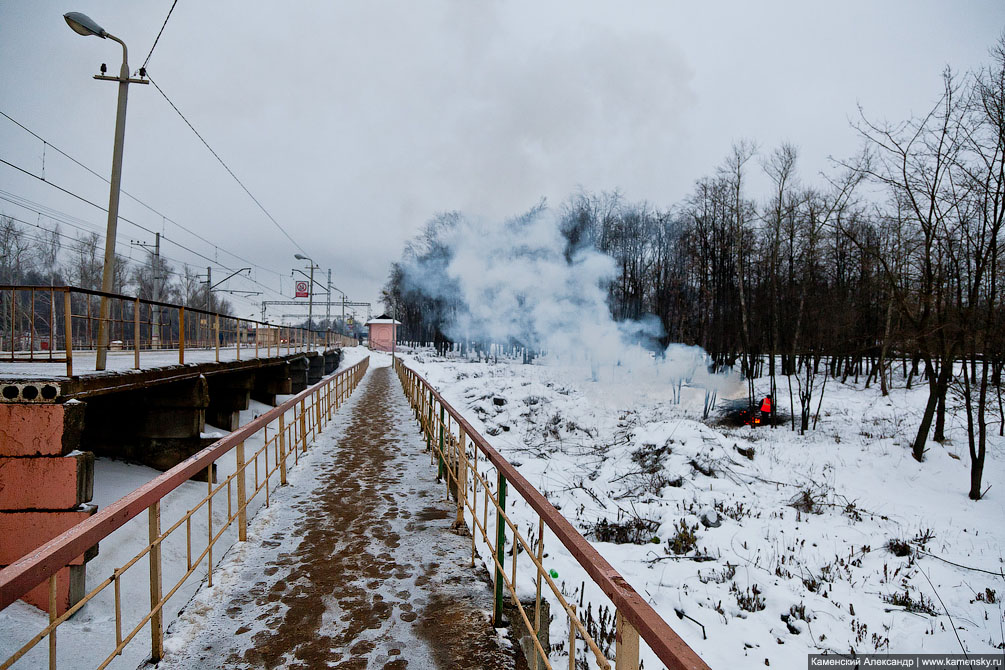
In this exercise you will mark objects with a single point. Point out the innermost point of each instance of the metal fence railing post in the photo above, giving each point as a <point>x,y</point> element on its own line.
<point>497,613</point>
<point>282,449</point>
<point>53,615</point>
<point>242,511</point>
<point>572,637</point>
<point>68,326</point>
<point>136,334</point>
<point>156,617</point>
<point>441,470</point>
<point>626,647</point>
<point>303,425</point>
<point>537,599</point>
<point>462,478</point>
<point>181,336</point>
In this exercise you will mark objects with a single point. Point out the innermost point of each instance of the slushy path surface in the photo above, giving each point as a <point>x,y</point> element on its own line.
<point>355,564</point>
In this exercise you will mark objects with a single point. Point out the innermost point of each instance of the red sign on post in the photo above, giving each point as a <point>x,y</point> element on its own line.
<point>301,289</point>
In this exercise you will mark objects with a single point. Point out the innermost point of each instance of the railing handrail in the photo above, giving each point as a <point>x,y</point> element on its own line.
<point>30,570</point>
<point>144,301</point>
<point>661,638</point>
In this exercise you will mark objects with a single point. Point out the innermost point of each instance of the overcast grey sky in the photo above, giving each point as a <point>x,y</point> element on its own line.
<point>354,122</point>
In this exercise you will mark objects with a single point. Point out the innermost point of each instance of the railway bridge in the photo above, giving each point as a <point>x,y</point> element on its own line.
<point>169,370</point>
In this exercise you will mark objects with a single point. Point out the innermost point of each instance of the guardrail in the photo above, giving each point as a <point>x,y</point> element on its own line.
<point>311,410</point>
<point>48,324</point>
<point>459,451</point>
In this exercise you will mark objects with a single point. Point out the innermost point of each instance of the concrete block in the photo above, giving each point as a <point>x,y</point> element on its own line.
<point>60,482</point>
<point>40,430</point>
<point>228,395</point>
<point>272,381</point>
<point>25,531</point>
<point>527,645</point>
<point>185,393</point>
<point>162,422</point>
<point>315,367</point>
<point>331,361</point>
<point>223,418</point>
<point>171,411</point>
<point>298,374</point>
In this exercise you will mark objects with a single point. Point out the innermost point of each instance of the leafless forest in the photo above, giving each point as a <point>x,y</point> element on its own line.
<point>892,263</point>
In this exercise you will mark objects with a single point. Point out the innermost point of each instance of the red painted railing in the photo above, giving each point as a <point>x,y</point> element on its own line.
<point>288,429</point>
<point>458,446</point>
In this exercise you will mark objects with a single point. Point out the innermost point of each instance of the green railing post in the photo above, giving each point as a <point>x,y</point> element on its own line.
<point>440,468</point>
<point>497,613</point>
<point>429,426</point>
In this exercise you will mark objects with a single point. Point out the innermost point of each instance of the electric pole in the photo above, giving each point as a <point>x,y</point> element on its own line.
<point>155,326</point>
<point>157,292</point>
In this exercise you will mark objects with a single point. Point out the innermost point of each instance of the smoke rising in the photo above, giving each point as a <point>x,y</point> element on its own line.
<point>518,283</point>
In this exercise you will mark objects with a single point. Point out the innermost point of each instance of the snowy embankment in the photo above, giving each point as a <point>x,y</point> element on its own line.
<point>759,546</point>
<point>89,636</point>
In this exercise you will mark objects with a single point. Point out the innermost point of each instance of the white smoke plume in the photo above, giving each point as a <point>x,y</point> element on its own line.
<point>511,283</point>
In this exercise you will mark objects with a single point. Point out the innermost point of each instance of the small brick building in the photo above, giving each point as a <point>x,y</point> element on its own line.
<point>383,333</point>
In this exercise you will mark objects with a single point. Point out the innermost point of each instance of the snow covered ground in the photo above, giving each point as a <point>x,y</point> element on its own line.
<point>803,551</point>
<point>801,554</point>
<point>89,636</point>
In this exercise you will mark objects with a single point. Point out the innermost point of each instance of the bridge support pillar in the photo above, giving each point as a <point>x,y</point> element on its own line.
<point>228,395</point>
<point>315,367</point>
<point>332,358</point>
<point>299,368</point>
<point>270,382</point>
<point>159,427</point>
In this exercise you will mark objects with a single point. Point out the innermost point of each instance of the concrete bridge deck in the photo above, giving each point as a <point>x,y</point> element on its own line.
<point>358,569</point>
<point>121,374</point>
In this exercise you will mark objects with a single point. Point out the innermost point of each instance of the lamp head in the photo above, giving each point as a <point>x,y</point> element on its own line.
<point>82,24</point>
<point>301,257</point>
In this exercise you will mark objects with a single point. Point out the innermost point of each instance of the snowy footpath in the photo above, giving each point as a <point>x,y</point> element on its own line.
<point>354,565</point>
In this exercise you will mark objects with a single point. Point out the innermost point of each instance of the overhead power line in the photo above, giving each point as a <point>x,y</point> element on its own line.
<point>159,33</point>
<point>129,221</point>
<point>119,256</point>
<point>166,218</point>
<point>225,167</point>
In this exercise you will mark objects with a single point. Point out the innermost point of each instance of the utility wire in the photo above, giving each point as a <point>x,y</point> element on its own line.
<point>181,276</point>
<point>122,218</point>
<point>159,33</point>
<point>98,236</point>
<point>231,172</point>
<point>134,198</point>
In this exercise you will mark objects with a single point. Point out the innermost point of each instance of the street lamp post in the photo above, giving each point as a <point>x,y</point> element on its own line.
<point>84,25</point>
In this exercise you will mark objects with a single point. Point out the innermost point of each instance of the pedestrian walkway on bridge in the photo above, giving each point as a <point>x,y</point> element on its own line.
<point>361,569</point>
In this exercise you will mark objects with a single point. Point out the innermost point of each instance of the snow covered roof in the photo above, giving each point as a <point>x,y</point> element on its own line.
<point>383,318</point>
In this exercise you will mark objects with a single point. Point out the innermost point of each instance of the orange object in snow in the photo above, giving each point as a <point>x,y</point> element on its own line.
<point>766,405</point>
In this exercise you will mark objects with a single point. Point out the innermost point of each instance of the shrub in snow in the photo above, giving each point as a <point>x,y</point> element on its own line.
<point>749,599</point>
<point>685,538</point>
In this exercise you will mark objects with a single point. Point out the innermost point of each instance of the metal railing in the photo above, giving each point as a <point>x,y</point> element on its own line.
<point>48,324</point>
<point>287,430</point>
<point>468,463</point>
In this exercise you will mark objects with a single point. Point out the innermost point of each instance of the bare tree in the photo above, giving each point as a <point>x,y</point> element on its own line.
<point>914,160</point>
<point>741,212</point>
